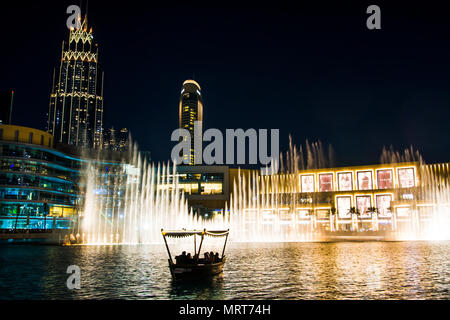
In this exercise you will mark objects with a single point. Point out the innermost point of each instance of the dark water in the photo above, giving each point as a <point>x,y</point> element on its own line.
<point>369,270</point>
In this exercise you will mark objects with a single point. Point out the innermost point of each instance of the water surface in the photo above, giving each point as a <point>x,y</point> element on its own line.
<point>343,270</point>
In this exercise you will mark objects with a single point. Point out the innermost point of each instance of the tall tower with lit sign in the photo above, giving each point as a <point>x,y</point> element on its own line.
<point>76,102</point>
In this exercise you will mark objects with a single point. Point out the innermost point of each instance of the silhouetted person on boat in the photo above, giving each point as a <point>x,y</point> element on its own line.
<point>206,257</point>
<point>189,258</point>
<point>211,257</point>
<point>216,257</point>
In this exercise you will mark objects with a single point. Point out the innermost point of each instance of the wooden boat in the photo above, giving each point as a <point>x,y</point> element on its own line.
<point>195,268</point>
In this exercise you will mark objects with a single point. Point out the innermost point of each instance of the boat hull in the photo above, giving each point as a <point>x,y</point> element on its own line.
<point>197,271</point>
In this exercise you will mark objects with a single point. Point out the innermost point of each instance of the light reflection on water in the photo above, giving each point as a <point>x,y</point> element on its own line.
<point>365,270</point>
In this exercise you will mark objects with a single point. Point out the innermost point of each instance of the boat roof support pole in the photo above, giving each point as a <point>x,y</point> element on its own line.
<point>201,242</point>
<point>195,244</point>
<point>224,245</point>
<point>167,247</point>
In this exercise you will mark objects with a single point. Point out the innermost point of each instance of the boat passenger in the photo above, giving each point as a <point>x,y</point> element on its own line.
<point>216,257</point>
<point>211,256</point>
<point>206,257</point>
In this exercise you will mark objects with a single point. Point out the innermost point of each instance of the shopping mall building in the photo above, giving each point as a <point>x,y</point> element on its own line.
<point>389,197</point>
<point>41,184</point>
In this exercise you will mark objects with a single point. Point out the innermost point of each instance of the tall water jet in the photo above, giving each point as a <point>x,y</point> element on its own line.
<point>264,207</point>
<point>280,207</point>
<point>428,216</point>
<point>128,202</point>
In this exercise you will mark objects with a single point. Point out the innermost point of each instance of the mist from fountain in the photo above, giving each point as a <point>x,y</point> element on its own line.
<point>429,217</point>
<point>263,207</point>
<point>129,202</point>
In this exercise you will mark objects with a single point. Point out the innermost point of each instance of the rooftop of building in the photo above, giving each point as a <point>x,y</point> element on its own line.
<point>42,139</point>
<point>191,86</point>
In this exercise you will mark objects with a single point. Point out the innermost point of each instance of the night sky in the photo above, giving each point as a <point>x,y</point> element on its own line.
<point>315,72</point>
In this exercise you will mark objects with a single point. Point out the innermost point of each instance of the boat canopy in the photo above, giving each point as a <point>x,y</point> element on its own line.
<point>189,233</point>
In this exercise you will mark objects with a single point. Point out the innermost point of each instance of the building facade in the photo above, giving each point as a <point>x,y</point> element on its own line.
<point>206,187</point>
<point>38,188</point>
<point>76,102</point>
<point>337,198</point>
<point>116,140</point>
<point>396,197</point>
<point>43,184</point>
<point>190,111</point>
<point>382,197</point>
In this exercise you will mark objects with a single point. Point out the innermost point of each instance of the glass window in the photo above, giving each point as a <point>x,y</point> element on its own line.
<point>345,181</point>
<point>343,206</point>
<point>383,204</point>
<point>323,214</point>
<point>384,179</point>
<point>307,183</point>
<point>326,182</point>
<point>364,180</point>
<point>303,213</point>
<point>211,188</point>
<point>406,177</point>
<point>362,204</point>
<point>403,212</point>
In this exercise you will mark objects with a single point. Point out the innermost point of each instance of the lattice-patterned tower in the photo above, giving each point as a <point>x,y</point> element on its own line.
<point>76,101</point>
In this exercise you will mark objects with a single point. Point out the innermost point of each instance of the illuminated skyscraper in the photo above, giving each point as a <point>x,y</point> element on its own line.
<point>76,102</point>
<point>191,110</point>
<point>115,140</point>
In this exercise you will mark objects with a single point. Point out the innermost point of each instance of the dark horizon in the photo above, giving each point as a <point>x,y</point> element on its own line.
<point>315,72</point>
